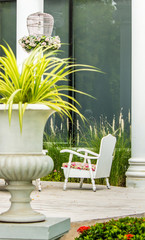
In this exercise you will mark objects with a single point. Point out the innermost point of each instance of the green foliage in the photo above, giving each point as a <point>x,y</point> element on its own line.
<point>54,153</point>
<point>123,228</point>
<point>29,86</point>
<point>120,166</point>
<point>55,176</point>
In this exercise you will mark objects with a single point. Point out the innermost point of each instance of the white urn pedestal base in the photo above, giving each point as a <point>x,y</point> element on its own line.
<point>50,229</point>
<point>20,209</point>
<point>136,173</point>
<point>19,171</point>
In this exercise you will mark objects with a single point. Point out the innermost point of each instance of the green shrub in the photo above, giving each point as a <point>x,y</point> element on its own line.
<point>55,176</point>
<point>124,228</point>
<point>120,166</point>
<point>54,153</point>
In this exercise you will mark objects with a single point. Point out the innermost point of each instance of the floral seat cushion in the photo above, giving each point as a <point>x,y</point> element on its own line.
<point>79,165</point>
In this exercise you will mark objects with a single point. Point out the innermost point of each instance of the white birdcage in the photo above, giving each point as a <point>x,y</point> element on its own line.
<point>39,24</point>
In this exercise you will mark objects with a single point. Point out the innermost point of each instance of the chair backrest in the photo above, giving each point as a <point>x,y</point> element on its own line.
<point>104,162</point>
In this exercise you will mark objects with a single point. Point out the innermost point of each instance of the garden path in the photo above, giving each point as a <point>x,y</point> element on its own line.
<point>82,206</point>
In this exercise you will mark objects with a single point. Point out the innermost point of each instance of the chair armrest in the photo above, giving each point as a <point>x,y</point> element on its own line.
<point>44,151</point>
<point>87,151</point>
<point>77,154</point>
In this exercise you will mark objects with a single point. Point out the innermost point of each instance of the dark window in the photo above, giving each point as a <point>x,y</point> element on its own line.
<point>8,23</point>
<point>99,34</point>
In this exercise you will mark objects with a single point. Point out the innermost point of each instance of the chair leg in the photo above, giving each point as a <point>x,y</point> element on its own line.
<point>107,183</point>
<point>6,183</point>
<point>81,182</point>
<point>65,183</point>
<point>91,175</point>
<point>93,183</point>
<point>38,183</point>
<point>68,171</point>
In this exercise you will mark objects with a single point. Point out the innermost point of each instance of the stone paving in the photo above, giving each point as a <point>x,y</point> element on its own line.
<point>82,206</point>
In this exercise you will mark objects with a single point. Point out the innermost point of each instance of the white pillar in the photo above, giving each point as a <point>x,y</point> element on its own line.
<point>136,171</point>
<point>24,9</point>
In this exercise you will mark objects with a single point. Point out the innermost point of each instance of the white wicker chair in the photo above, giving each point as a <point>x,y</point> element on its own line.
<point>101,169</point>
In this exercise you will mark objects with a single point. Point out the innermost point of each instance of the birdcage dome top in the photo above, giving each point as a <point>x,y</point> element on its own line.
<point>39,24</point>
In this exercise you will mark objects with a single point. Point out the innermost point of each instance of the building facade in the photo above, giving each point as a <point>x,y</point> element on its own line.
<point>97,33</point>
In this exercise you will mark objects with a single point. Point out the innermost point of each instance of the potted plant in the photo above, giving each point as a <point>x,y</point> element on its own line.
<point>27,100</point>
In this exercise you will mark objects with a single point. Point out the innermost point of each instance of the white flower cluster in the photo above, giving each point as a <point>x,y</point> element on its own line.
<point>31,42</point>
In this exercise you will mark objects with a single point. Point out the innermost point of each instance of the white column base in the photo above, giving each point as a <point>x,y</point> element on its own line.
<point>136,173</point>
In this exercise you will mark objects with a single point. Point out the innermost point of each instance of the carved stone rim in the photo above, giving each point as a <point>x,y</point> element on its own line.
<point>29,107</point>
<point>23,168</point>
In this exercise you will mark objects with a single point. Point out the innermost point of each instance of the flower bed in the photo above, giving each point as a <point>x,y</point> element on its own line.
<point>123,228</point>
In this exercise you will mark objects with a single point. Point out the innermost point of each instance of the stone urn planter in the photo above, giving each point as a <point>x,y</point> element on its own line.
<point>22,160</point>
<point>40,81</point>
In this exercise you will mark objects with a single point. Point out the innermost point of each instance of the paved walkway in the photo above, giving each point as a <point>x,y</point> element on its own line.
<point>82,206</point>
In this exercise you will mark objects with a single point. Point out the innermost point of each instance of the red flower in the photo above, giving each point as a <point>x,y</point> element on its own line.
<point>86,165</point>
<point>82,229</point>
<point>129,236</point>
<point>73,164</point>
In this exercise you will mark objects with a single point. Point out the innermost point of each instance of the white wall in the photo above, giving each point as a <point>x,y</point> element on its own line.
<point>24,9</point>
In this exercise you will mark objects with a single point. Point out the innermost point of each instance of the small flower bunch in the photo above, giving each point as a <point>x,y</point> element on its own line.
<point>129,236</point>
<point>82,229</point>
<point>31,42</point>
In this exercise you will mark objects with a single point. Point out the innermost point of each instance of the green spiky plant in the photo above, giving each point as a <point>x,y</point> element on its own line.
<point>28,86</point>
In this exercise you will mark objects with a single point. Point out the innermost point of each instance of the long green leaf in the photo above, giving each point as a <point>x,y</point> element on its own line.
<point>30,87</point>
